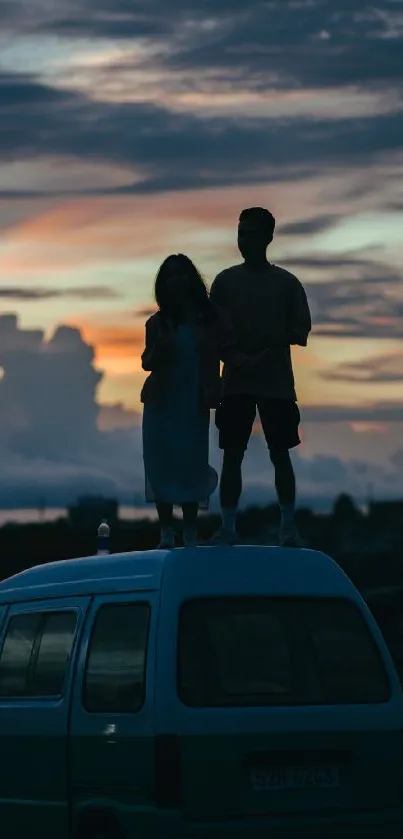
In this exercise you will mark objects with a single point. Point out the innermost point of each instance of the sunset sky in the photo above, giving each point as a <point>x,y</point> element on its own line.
<point>129,130</point>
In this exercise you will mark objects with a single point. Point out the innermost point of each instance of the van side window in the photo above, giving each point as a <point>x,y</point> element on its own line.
<point>36,653</point>
<point>53,654</point>
<point>16,655</point>
<point>116,663</point>
<point>250,651</point>
<point>233,651</point>
<point>347,658</point>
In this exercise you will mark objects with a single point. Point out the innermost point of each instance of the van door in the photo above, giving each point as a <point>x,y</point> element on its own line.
<point>283,705</point>
<point>112,726</point>
<point>39,642</point>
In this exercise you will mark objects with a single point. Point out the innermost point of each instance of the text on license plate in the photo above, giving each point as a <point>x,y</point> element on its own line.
<point>295,778</point>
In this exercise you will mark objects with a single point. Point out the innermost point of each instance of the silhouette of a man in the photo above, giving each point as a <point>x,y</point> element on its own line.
<point>269,312</point>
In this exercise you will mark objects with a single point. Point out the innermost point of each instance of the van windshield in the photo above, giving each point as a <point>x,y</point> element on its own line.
<point>245,651</point>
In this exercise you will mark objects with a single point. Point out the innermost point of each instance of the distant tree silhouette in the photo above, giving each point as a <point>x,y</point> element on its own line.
<point>344,508</point>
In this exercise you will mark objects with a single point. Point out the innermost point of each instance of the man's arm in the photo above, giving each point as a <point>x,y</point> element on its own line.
<point>299,316</point>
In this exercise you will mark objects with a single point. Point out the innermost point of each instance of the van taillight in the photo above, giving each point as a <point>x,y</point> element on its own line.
<point>168,780</point>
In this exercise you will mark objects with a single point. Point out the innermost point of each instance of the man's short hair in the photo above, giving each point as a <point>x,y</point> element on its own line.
<point>259,216</point>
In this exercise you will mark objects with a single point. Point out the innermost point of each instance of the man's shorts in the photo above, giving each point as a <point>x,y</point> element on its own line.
<point>236,414</point>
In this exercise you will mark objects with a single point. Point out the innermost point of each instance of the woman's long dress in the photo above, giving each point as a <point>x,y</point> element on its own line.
<point>176,432</point>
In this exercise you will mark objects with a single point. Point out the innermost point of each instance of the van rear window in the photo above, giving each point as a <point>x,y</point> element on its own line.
<point>243,651</point>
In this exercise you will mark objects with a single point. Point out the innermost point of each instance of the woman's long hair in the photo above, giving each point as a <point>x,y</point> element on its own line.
<point>197,287</point>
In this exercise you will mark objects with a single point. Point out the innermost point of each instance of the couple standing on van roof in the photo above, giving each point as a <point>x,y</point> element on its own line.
<point>254,313</point>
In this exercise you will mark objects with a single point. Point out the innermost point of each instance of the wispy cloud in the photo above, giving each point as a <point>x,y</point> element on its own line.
<point>368,304</point>
<point>378,369</point>
<point>38,294</point>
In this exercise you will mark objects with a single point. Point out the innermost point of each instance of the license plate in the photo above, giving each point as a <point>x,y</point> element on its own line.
<point>295,778</point>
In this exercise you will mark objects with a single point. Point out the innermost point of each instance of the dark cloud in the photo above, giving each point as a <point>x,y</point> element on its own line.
<point>378,369</point>
<point>375,412</point>
<point>360,314</point>
<point>87,19</point>
<point>308,226</point>
<point>79,292</point>
<point>22,91</point>
<point>182,151</point>
<point>257,46</point>
<point>298,44</point>
<point>358,298</point>
<point>327,262</point>
<point>172,149</point>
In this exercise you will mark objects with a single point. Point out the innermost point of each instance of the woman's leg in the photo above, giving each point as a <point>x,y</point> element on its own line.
<point>165,516</point>
<point>190,512</point>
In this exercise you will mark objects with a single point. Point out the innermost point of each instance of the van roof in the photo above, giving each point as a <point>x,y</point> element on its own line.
<point>206,570</point>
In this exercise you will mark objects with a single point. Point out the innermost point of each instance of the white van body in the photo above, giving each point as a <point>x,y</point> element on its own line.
<point>218,693</point>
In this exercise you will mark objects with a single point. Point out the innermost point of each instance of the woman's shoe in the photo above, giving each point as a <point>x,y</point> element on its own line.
<point>190,538</point>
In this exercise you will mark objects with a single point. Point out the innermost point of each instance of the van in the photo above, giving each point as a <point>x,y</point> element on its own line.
<point>207,693</point>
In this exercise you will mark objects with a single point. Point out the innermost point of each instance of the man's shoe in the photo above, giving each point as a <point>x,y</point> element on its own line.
<point>289,536</point>
<point>224,537</point>
<point>167,539</point>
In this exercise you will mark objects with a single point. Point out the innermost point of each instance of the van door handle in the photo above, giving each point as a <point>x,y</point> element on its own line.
<point>110,732</point>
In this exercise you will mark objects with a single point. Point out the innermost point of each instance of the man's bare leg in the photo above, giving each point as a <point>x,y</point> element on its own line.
<point>230,493</point>
<point>190,512</point>
<point>285,487</point>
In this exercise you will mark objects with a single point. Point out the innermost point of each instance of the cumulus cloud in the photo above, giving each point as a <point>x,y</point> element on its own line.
<point>48,415</point>
<point>319,477</point>
<point>117,416</point>
<point>47,392</point>
<point>57,441</point>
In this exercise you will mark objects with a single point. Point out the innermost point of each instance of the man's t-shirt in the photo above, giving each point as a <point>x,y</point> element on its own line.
<point>269,312</point>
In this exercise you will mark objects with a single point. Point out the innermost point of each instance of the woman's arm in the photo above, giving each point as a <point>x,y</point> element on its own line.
<point>158,346</point>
